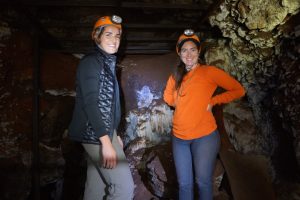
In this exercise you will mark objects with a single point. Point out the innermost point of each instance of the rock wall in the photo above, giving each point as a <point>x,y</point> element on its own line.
<point>16,112</point>
<point>261,48</point>
<point>56,104</point>
<point>253,32</point>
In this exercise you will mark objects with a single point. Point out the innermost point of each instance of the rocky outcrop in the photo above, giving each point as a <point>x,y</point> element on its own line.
<point>261,49</point>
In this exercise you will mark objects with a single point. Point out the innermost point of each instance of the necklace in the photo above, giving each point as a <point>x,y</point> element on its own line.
<point>180,92</point>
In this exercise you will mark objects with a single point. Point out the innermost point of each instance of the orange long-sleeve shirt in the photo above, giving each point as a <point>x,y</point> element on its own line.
<point>191,118</point>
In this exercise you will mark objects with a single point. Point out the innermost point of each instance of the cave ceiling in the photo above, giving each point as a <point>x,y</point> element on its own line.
<point>150,27</point>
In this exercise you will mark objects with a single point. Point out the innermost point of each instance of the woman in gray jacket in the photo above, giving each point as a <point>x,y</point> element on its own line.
<point>97,114</point>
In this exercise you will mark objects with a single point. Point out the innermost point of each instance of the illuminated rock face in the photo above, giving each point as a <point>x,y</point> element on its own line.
<point>143,79</point>
<point>152,124</point>
<point>148,125</point>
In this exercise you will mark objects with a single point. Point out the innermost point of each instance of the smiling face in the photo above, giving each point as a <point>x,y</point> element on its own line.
<point>109,40</point>
<point>189,54</point>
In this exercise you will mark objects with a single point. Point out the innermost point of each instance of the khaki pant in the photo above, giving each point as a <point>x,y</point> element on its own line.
<point>110,184</point>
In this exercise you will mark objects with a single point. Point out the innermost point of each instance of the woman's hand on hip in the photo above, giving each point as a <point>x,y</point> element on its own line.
<point>209,107</point>
<point>109,155</point>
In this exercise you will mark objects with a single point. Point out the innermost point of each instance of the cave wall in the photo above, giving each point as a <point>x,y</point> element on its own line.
<point>16,112</point>
<point>261,48</point>
<point>56,104</point>
<point>254,32</point>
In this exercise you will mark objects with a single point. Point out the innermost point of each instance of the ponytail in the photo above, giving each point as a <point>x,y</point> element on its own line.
<point>179,73</point>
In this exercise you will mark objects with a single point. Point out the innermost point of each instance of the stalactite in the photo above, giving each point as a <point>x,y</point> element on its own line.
<point>153,124</point>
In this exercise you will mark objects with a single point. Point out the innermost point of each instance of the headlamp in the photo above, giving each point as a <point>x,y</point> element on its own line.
<point>113,20</point>
<point>188,32</point>
<point>116,19</point>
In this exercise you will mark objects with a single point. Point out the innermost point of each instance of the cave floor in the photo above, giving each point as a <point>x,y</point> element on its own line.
<point>248,176</point>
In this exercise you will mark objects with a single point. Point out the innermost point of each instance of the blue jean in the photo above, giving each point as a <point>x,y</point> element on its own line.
<point>197,156</point>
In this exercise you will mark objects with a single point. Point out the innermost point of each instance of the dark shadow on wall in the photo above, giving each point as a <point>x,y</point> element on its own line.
<point>284,157</point>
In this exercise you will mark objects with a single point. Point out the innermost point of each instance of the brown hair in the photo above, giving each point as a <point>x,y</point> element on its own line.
<point>180,71</point>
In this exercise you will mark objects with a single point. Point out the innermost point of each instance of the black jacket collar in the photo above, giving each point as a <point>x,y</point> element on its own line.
<point>103,53</point>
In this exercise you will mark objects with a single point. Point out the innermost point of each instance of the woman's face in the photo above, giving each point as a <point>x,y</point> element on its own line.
<point>189,55</point>
<point>109,39</point>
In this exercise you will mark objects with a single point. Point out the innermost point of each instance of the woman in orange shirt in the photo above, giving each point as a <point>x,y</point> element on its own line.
<point>195,140</point>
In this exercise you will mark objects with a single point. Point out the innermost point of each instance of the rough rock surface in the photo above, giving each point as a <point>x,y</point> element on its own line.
<point>261,49</point>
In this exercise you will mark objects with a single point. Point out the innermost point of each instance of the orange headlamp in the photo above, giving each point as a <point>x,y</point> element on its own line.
<point>188,34</point>
<point>113,20</point>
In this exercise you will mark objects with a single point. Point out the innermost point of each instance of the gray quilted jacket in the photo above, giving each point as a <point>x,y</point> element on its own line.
<point>97,105</point>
